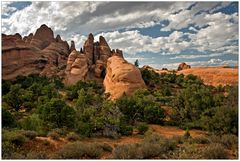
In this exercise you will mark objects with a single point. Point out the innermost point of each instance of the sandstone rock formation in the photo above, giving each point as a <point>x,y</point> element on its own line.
<point>96,55</point>
<point>121,77</point>
<point>43,37</point>
<point>183,66</point>
<point>77,68</point>
<point>40,53</point>
<point>72,47</point>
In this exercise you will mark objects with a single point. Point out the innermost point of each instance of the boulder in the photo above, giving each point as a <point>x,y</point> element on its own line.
<point>121,77</point>
<point>183,66</point>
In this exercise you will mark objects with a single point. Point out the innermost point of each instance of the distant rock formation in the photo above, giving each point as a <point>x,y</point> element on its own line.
<point>183,66</point>
<point>121,77</point>
<point>40,53</point>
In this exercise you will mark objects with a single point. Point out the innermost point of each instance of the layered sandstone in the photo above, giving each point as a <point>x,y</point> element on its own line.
<point>40,53</point>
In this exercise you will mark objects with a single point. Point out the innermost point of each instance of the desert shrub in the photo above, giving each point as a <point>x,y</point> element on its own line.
<point>61,131</point>
<point>30,134</point>
<point>229,141</point>
<point>142,128</point>
<point>178,139</point>
<point>127,151</point>
<point>8,119</point>
<point>7,149</point>
<point>186,151</point>
<point>105,147</point>
<point>214,151</point>
<point>154,146</point>
<point>15,137</point>
<point>78,150</point>
<point>72,136</point>
<point>54,135</point>
<point>199,140</point>
<point>36,155</point>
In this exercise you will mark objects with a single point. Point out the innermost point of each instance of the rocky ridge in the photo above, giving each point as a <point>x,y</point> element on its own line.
<point>41,53</point>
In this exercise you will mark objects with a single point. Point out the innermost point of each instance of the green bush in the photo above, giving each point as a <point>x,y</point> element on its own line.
<point>221,120</point>
<point>57,114</point>
<point>83,128</point>
<point>154,114</point>
<point>214,151</point>
<point>30,134</point>
<point>32,122</point>
<point>8,119</point>
<point>142,128</point>
<point>126,130</point>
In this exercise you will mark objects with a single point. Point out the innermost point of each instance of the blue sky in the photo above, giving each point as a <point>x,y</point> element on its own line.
<point>159,34</point>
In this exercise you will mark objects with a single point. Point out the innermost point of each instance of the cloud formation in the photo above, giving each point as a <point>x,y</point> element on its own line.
<point>198,26</point>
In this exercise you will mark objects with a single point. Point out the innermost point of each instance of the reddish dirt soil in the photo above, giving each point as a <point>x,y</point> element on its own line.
<point>170,131</point>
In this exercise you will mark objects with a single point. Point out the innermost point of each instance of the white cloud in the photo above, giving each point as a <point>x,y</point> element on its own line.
<point>132,42</point>
<point>197,56</point>
<point>7,9</point>
<point>73,20</point>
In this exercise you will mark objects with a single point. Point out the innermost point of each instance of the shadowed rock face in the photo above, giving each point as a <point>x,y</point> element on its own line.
<point>121,77</point>
<point>43,37</point>
<point>40,53</point>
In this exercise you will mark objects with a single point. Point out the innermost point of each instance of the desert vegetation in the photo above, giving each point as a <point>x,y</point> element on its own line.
<point>42,111</point>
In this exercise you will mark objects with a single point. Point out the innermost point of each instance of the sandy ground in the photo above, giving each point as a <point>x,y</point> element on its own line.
<point>212,75</point>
